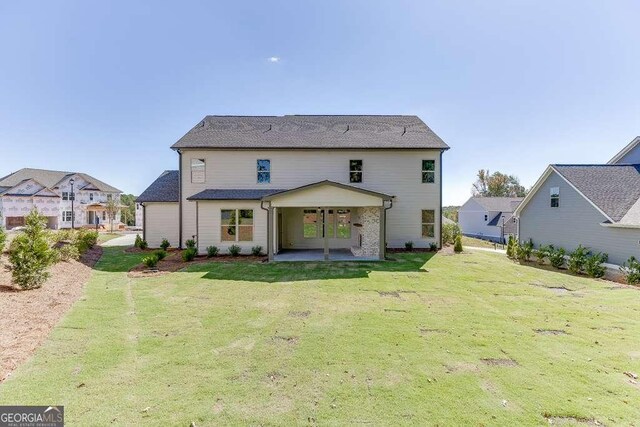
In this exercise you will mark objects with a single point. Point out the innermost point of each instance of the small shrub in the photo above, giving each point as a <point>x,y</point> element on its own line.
<point>30,254</point>
<point>150,261</point>
<point>85,240</point>
<point>577,259</point>
<point>234,250</point>
<point>524,251</point>
<point>165,244</point>
<point>556,257</point>
<point>457,247</point>
<point>541,254</point>
<point>67,252</point>
<point>593,266</point>
<point>160,254</point>
<point>510,247</point>
<point>143,244</point>
<point>189,254</point>
<point>191,244</point>
<point>408,245</point>
<point>631,271</point>
<point>449,233</point>
<point>138,241</point>
<point>212,251</point>
<point>3,239</point>
<point>256,250</point>
<point>433,247</point>
<point>66,235</point>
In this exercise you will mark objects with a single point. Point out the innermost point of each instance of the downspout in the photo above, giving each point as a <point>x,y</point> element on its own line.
<point>384,230</point>
<point>441,222</point>
<point>269,225</point>
<point>197,228</point>
<point>144,222</point>
<point>180,199</point>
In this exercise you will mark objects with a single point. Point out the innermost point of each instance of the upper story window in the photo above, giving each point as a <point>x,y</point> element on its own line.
<point>355,170</point>
<point>264,171</point>
<point>428,171</point>
<point>486,217</point>
<point>91,196</point>
<point>109,197</point>
<point>198,170</point>
<point>65,195</point>
<point>555,197</point>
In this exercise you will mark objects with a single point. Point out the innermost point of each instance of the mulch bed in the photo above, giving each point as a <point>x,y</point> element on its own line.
<point>29,316</point>
<point>174,262</point>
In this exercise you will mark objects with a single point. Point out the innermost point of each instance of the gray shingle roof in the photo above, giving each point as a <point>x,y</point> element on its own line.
<point>612,188</point>
<point>49,178</point>
<point>499,204</point>
<point>233,194</point>
<point>305,132</point>
<point>166,188</point>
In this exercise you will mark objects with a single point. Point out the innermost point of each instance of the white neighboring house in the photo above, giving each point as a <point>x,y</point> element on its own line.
<point>337,186</point>
<point>489,218</point>
<point>50,192</point>
<point>139,219</point>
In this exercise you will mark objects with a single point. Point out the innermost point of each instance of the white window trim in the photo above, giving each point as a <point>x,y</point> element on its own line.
<point>237,225</point>
<point>422,224</point>
<point>259,171</point>
<point>422,171</point>
<point>361,171</point>
<point>204,175</point>
<point>554,195</point>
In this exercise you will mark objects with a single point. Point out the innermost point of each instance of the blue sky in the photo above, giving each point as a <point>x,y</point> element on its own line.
<point>107,87</point>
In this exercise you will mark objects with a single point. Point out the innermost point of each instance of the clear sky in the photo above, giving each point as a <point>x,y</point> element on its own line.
<point>106,87</point>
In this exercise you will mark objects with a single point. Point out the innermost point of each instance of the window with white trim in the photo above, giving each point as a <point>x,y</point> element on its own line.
<point>554,194</point>
<point>91,197</point>
<point>263,167</point>
<point>355,171</point>
<point>198,171</point>
<point>428,223</point>
<point>67,216</point>
<point>428,171</point>
<point>65,195</point>
<point>236,225</point>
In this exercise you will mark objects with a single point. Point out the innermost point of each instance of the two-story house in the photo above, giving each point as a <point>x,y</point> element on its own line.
<point>341,187</point>
<point>596,205</point>
<point>65,198</point>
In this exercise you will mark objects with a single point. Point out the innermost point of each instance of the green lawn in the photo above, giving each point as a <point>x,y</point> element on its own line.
<point>424,340</point>
<point>478,243</point>
<point>105,237</point>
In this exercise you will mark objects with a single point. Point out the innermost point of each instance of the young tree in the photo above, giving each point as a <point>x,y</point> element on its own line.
<point>497,185</point>
<point>112,207</point>
<point>30,254</point>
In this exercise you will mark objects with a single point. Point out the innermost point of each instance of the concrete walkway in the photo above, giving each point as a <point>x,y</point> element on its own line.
<point>497,251</point>
<point>125,240</point>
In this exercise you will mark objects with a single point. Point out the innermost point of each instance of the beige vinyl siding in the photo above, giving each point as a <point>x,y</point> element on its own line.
<point>210,226</point>
<point>394,172</point>
<point>574,222</point>
<point>161,223</point>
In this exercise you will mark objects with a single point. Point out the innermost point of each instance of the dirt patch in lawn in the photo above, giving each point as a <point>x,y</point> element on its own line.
<point>287,339</point>
<point>561,420</point>
<point>300,314</point>
<point>550,331</point>
<point>499,362</point>
<point>28,316</point>
<point>174,262</point>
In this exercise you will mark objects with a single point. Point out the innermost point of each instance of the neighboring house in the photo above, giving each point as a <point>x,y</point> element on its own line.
<point>139,220</point>
<point>597,206</point>
<point>50,192</point>
<point>337,184</point>
<point>489,218</point>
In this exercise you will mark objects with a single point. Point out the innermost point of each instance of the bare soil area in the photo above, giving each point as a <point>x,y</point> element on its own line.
<point>28,316</point>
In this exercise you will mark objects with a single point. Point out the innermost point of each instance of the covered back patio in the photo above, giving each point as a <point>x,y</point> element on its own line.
<point>326,221</point>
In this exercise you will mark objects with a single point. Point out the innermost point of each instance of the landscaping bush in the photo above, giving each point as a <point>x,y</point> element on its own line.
<point>165,244</point>
<point>191,244</point>
<point>3,239</point>
<point>631,271</point>
<point>143,244</point>
<point>189,254</point>
<point>457,247</point>
<point>510,247</point>
<point>85,240</point>
<point>66,235</point>
<point>138,241</point>
<point>541,254</point>
<point>556,257</point>
<point>256,250</point>
<point>212,251</point>
<point>67,252</point>
<point>577,259</point>
<point>593,266</point>
<point>433,247</point>
<point>160,254</point>
<point>408,245</point>
<point>234,250</point>
<point>30,254</point>
<point>449,233</point>
<point>523,251</point>
<point>150,261</point>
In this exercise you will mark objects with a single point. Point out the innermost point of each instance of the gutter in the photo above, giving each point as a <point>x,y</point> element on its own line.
<point>620,225</point>
<point>441,221</point>
<point>179,199</point>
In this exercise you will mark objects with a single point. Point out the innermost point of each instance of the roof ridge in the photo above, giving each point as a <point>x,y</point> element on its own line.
<point>595,164</point>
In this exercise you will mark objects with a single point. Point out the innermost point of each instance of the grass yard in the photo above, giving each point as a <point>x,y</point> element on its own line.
<point>479,243</point>
<point>470,339</point>
<point>105,237</point>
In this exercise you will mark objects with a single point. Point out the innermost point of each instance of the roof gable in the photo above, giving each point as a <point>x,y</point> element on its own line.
<point>51,178</point>
<point>498,204</point>
<point>311,132</point>
<point>166,188</point>
<point>629,154</point>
